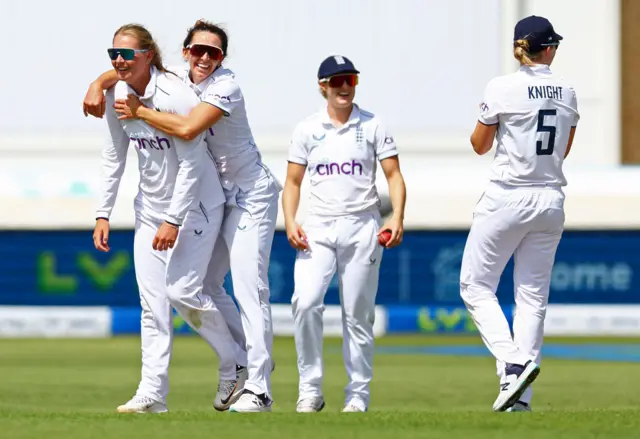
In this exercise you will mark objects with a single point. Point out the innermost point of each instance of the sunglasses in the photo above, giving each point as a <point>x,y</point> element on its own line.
<point>126,54</point>
<point>338,80</point>
<point>199,50</point>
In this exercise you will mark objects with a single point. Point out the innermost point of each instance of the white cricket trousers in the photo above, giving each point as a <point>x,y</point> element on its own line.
<point>526,222</point>
<point>348,244</point>
<point>175,278</point>
<point>214,287</point>
<point>247,231</point>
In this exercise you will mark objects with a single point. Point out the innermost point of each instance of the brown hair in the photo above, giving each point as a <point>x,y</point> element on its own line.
<point>205,26</point>
<point>145,40</point>
<point>522,54</point>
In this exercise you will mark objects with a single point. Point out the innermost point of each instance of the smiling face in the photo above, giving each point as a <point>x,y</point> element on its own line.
<point>340,90</point>
<point>136,65</point>
<point>204,55</point>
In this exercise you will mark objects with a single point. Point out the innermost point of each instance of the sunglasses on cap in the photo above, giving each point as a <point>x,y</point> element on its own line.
<point>200,49</point>
<point>126,54</point>
<point>336,81</point>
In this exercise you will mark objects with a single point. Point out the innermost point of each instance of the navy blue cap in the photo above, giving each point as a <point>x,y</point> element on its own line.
<point>336,65</point>
<point>538,31</point>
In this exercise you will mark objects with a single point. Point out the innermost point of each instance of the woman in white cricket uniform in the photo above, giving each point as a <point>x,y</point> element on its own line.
<point>338,147</point>
<point>532,114</point>
<point>179,209</point>
<point>251,198</point>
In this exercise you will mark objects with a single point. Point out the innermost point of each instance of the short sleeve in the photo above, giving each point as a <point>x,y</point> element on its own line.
<point>298,151</point>
<point>226,95</point>
<point>490,107</point>
<point>574,106</point>
<point>384,142</point>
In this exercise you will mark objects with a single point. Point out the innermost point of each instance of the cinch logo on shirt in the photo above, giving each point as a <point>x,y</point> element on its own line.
<point>346,168</point>
<point>159,143</point>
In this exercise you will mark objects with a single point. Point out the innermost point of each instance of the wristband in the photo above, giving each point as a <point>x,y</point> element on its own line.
<point>177,226</point>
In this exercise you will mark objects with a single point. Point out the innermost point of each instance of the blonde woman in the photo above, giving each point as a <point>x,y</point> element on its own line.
<point>178,209</point>
<point>532,114</point>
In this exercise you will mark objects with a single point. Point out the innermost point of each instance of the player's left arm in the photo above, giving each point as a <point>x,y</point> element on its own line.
<point>191,164</point>
<point>192,160</point>
<point>387,154</point>
<point>185,126</point>
<point>218,100</point>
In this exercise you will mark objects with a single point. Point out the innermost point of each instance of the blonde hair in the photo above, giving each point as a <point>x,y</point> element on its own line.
<point>522,54</point>
<point>145,40</point>
<point>322,91</point>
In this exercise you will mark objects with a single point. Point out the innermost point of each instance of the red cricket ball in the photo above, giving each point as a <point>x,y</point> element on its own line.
<point>384,237</point>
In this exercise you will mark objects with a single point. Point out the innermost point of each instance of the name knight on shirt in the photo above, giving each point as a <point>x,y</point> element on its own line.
<point>545,92</point>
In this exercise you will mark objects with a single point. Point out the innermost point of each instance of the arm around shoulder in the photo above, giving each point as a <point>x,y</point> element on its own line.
<point>186,126</point>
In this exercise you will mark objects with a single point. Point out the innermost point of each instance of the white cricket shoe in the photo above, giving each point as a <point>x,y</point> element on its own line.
<point>350,408</point>
<point>519,407</point>
<point>142,404</point>
<point>518,379</point>
<point>230,390</point>
<point>310,405</point>
<point>249,402</point>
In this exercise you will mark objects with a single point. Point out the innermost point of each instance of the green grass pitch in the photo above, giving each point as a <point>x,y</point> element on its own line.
<point>69,389</point>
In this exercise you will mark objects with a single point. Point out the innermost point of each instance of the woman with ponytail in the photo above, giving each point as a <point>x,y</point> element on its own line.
<point>532,114</point>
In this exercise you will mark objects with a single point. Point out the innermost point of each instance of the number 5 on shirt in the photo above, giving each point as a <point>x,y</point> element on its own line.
<point>542,128</point>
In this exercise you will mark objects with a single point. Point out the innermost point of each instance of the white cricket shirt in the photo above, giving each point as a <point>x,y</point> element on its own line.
<point>175,175</point>
<point>341,162</point>
<point>534,110</point>
<point>230,140</point>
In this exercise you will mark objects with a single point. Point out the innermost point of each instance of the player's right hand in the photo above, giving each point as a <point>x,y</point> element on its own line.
<point>94,101</point>
<point>101,235</point>
<point>296,236</point>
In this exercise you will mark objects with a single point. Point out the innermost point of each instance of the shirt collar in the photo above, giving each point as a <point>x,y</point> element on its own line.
<point>538,69</point>
<point>150,90</point>
<point>200,88</point>
<point>354,117</point>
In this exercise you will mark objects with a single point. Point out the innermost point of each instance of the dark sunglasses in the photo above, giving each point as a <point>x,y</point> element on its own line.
<point>338,80</point>
<point>126,54</point>
<point>200,49</point>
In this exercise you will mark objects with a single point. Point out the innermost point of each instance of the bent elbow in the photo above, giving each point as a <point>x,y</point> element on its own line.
<point>480,150</point>
<point>186,132</point>
<point>476,145</point>
<point>480,147</point>
<point>292,183</point>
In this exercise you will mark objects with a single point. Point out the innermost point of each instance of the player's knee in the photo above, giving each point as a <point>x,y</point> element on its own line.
<point>363,318</point>
<point>470,292</point>
<point>175,292</point>
<point>464,293</point>
<point>264,294</point>
<point>304,305</point>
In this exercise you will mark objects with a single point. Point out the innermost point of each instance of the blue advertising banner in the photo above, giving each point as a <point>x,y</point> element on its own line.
<point>62,268</point>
